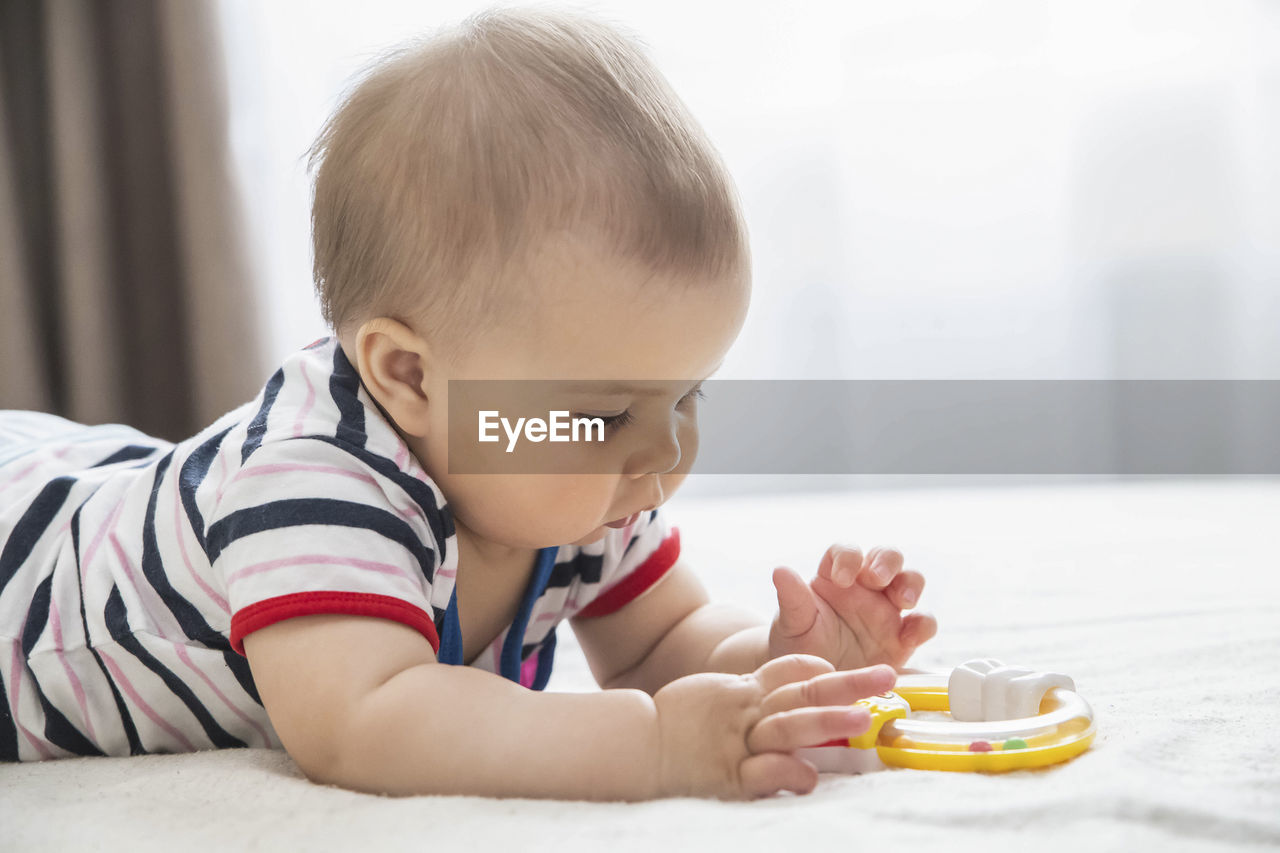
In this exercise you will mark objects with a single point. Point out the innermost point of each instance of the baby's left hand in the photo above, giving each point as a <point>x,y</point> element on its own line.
<point>852,612</point>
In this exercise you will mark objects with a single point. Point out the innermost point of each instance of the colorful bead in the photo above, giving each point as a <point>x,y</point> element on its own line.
<point>979,746</point>
<point>1015,743</point>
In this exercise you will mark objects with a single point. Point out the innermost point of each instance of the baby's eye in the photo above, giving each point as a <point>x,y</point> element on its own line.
<point>695,393</point>
<point>619,420</point>
<point>611,422</point>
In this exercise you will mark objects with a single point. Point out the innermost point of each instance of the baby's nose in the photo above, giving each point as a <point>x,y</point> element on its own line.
<point>659,456</point>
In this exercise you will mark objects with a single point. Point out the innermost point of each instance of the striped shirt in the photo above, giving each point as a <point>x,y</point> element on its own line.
<point>131,569</point>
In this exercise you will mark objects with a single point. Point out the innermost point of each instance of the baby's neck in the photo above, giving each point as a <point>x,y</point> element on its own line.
<point>486,555</point>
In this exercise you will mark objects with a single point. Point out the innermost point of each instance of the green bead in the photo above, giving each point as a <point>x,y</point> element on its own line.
<point>1015,743</point>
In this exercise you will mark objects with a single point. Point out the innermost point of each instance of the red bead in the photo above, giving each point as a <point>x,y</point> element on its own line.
<point>979,746</point>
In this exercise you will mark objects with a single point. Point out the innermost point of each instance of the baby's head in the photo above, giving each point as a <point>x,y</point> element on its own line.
<point>525,197</point>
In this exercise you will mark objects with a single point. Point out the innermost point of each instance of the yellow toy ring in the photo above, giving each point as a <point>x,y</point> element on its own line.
<point>986,717</point>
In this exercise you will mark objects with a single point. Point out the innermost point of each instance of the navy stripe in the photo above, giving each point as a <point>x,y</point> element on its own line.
<point>439,516</point>
<point>126,721</point>
<point>8,728</point>
<point>189,617</point>
<point>58,730</point>
<point>301,512</point>
<point>128,454</point>
<point>118,626</point>
<point>239,666</point>
<point>37,615</point>
<point>187,614</point>
<point>31,526</point>
<point>652,515</point>
<point>258,426</point>
<point>194,470</point>
<point>589,567</point>
<point>564,573</point>
<point>344,387</point>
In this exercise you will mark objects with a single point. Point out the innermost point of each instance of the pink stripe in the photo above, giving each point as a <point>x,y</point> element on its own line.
<point>87,557</point>
<point>23,474</point>
<point>307,404</point>
<point>186,658</point>
<point>15,678</point>
<point>182,546</point>
<point>292,467</point>
<point>446,573</point>
<point>546,616</point>
<point>118,675</point>
<point>55,622</point>
<point>319,559</point>
<point>124,562</point>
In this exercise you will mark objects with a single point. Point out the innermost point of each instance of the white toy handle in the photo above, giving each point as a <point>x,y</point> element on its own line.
<point>985,690</point>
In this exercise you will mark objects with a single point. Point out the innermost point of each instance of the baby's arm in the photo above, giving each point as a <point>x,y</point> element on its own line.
<point>852,614</point>
<point>361,702</point>
<point>671,631</point>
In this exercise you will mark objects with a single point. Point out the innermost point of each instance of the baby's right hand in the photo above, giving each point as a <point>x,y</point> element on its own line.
<point>732,736</point>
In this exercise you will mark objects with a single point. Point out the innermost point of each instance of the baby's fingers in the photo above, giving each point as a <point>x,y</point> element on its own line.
<point>880,567</point>
<point>917,628</point>
<point>835,688</point>
<point>763,775</point>
<point>904,591</point>
<point>791,730</point>
<point>789,668</point>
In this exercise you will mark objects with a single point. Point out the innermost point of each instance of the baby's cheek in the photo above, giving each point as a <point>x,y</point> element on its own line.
<point>559,508</point>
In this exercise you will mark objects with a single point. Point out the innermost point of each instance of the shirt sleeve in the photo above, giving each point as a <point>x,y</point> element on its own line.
<point>307,527</point>
<point>634,560</point>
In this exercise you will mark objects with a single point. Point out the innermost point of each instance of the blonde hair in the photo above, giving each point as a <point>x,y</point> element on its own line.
<point>455,154</point>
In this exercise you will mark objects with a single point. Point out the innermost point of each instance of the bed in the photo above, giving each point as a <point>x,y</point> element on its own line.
<point>1160,597</point>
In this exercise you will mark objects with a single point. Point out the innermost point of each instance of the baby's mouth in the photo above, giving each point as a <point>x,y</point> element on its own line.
<point>623,522</point>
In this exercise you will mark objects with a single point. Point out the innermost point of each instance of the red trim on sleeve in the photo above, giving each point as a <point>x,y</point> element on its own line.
<point>640,579</point>
<point>271,610</point>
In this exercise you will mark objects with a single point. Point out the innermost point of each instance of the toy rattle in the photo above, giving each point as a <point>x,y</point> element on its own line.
<point>1000,718</point>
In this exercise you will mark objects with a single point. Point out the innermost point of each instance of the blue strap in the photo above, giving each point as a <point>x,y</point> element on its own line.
<point>511,650</point>
<point>450,651</point>
<point>451,629</point>
<point>546,657</point>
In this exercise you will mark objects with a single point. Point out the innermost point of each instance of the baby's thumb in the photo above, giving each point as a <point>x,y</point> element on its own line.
<point>796,608</point>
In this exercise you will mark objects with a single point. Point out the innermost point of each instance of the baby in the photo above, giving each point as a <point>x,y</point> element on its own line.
<point>522,197</point>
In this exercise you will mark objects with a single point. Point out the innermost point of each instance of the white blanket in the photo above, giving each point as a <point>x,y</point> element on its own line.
<point>1161,599</point>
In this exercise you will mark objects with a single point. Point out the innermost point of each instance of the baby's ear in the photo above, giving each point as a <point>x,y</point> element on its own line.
<point>393,361</point>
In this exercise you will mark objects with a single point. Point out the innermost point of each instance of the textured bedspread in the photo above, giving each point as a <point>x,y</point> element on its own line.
<point>1161,599</point>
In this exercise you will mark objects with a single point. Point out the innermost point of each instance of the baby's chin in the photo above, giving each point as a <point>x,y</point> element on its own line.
<point>594,536</point>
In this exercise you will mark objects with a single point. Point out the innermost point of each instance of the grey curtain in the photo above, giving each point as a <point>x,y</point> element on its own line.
<point>125,289</point>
